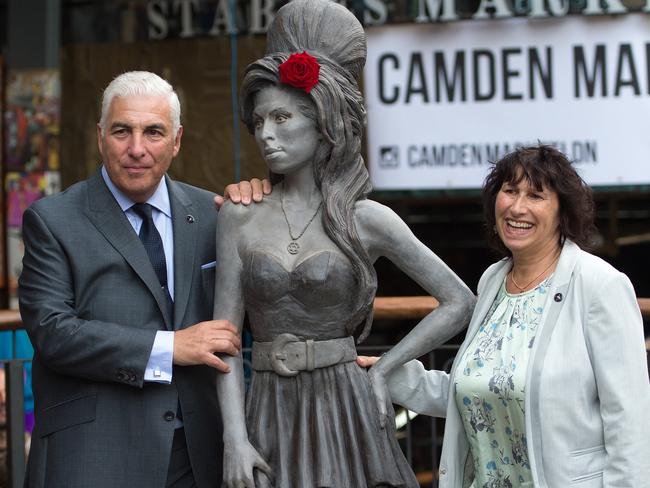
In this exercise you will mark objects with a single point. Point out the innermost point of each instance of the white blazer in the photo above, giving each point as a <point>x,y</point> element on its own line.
<point>587,389</point>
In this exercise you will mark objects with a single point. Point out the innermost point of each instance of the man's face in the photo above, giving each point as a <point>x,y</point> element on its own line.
<point>138,145</point>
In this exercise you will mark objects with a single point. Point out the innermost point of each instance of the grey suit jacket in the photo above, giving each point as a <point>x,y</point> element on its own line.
<point>92,304</point>
<point>587,393</point>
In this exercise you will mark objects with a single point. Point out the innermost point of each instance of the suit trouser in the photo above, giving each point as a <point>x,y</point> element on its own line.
<point>179,474</point>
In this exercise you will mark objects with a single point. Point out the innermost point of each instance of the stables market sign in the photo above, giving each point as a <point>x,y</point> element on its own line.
<point>199,18</point>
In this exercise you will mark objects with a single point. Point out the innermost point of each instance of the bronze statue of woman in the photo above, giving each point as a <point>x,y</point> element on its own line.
<point>300,264</point>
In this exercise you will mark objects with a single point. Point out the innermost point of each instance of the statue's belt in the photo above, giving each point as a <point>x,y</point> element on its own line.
<point>287,355</point>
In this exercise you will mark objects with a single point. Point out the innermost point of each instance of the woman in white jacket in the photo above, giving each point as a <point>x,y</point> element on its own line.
<point>550,387</point>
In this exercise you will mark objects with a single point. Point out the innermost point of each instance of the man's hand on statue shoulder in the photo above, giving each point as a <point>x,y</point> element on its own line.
<point>244,192</point>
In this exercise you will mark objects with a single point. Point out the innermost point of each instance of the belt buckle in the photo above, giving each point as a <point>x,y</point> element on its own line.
<point>278,356</point>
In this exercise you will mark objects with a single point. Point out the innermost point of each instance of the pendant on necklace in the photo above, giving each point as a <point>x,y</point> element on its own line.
<point>293,247</point>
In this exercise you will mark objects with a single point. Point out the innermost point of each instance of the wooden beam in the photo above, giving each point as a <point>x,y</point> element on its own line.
<point>410,307</point>
<point>10,320</point>
<point>404,307</point>
<point>418,307</point>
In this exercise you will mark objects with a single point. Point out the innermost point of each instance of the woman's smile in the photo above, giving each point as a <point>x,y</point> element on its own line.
<point>527,219</point>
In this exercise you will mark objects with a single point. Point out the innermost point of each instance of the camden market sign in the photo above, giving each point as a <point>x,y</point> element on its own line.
<point>211,18</point>
<point>443,103</point>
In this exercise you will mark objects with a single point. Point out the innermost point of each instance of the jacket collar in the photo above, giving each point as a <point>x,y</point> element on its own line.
<point>109,219</point>
<point>186,233</point>
<point>553,305</point>
<point>496,274</point>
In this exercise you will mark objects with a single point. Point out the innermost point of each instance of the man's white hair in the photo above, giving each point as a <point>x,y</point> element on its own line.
<point>142,83</point>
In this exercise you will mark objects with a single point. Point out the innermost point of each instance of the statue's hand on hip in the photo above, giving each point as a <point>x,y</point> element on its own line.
<point>380,392</point>
<point>239,462</point>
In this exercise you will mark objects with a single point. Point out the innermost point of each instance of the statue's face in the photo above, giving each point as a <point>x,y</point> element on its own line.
<point>287,138</point>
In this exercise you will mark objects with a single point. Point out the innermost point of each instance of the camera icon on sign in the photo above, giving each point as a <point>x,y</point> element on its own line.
<point>388,157</point>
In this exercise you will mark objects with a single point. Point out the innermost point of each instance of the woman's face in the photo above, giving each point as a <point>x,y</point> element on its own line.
<point>527,220</point>
<point>287,139</point>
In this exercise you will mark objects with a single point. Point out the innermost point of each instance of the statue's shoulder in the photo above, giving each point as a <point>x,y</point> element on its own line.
<point>237,214</point>
<point>371,213</point>
<point>233,214</point>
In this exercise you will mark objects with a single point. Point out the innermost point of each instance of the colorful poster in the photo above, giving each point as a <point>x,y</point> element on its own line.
<point>2,200</point>
<point>32,121</point>
<point>31,162</point>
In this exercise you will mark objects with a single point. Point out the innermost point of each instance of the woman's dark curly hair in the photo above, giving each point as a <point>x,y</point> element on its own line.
<point>543,167</point>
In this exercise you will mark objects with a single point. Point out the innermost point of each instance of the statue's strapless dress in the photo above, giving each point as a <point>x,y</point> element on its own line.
<point>319,428</point>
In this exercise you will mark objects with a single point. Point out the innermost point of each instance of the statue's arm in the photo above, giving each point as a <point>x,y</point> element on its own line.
<point>240,458</point>
<point>385,234</point>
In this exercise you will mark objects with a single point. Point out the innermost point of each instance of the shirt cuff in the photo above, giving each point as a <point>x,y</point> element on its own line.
<point>159,367</point>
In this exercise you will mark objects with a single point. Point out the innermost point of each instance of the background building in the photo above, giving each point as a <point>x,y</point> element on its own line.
<point>58,55</point>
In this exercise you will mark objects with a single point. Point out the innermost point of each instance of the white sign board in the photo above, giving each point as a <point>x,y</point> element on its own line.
<point>445,99</point>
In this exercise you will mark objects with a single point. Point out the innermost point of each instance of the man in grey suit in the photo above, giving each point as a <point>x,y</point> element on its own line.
<point>116,295</point>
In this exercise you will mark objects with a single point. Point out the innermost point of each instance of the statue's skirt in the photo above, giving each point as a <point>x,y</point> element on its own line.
<point>321,429</point>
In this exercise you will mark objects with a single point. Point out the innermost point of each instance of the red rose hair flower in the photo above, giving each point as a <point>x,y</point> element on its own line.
<point>300,71</point>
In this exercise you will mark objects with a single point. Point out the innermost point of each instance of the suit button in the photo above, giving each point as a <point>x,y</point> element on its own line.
<point>169,416</point>
<point>133,378</point>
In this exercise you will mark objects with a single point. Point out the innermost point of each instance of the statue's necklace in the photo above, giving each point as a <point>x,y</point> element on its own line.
<point>293,247</point>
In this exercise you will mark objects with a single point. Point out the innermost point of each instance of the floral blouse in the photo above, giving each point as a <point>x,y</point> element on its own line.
<point>490,388</point>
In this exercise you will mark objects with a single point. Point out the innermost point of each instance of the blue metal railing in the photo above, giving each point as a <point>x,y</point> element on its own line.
<point>15,406</point>
<point>15,423</point>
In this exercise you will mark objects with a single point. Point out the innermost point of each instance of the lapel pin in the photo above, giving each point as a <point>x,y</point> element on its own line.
<point>190,219</point>
<point>558,297</point>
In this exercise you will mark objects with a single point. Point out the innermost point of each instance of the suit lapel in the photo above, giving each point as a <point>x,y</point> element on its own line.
<point>186,228</point>
<point>109,219</point>
<point>553,304</point>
